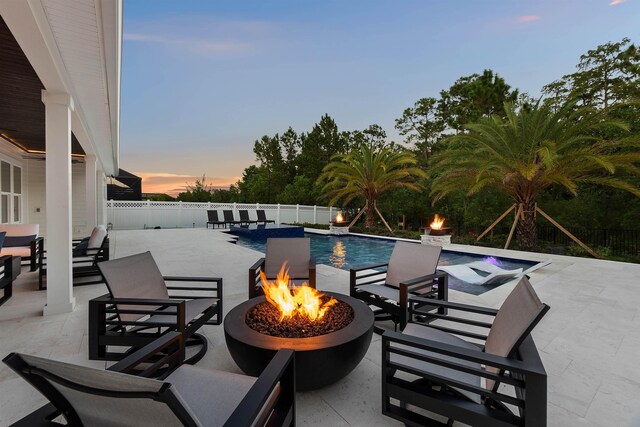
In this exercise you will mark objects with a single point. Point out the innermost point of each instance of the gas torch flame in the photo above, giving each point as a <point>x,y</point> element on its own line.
<point>437,223</point>
<point>301,300</point>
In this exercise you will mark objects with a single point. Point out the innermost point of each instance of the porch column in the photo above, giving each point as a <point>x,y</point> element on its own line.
<point>90,176</point>
<point>58,109</point>
<point>101,198</point>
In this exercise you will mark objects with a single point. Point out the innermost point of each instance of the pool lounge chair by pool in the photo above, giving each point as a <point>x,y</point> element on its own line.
<point>469,275</point>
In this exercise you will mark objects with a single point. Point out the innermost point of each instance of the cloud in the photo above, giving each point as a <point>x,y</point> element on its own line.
<point>530,18</point>
<point>172,184</point>
<point>616,2</point>
<point>201,35</point>
<point>197,45</point>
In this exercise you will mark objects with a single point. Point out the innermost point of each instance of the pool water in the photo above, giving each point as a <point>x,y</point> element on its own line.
<point>347,252</point>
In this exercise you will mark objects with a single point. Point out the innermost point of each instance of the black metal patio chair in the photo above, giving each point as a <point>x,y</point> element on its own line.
<point>295,252</point>
<point>429,372</point>
<point>139,307</point>
<point>6,277</point>
<point>411,270</point>
<point>262,217</point>
<point>213,219</point>
<point>182,396</point>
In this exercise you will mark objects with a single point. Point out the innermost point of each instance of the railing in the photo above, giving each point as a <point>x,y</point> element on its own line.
<point>618,241</point>
<point>134,215</point>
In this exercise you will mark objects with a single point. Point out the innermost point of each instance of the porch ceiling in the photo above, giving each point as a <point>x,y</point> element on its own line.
<point>21,109</point>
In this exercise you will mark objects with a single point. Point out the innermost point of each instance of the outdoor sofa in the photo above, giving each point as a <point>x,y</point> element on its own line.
<point>22,241</point>
<point>182,395</point>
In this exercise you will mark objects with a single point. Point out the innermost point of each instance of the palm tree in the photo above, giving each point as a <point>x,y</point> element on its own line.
<point>368,172</point>
<point>533,149</point>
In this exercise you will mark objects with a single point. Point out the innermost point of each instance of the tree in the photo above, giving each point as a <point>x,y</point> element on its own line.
<point>373,136</point>
<point>606,75</point>
<point>532,150</point>
<point>422,125</point>
<point>200,191</point>
<point>268,153</point>
<point>318,146</point>
<point>368,172</point>
<point>473,97</point>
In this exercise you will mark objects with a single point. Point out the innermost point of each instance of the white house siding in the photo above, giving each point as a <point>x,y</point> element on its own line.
<point>36,200</point>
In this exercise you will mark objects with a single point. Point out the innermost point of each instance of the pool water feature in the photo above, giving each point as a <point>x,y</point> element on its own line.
<point>350,251</point>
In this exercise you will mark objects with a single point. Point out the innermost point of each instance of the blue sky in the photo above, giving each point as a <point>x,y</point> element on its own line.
<point>202,80</point>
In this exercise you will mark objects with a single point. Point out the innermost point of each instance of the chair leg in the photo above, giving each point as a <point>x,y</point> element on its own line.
<point>192,341</point>
<point>8,292</point>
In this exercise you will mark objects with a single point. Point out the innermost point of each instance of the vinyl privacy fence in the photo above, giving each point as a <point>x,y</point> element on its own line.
<point>134,215</point>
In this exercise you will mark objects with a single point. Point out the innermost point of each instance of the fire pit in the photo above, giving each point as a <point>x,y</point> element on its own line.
<point>339,226</point>
<point>436,233</point>
<point>328,347</point>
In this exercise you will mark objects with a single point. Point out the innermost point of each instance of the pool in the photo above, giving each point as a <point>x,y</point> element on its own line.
<point>349,251</point>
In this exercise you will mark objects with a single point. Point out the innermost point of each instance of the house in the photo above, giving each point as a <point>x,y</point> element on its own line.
<point>59,122</point>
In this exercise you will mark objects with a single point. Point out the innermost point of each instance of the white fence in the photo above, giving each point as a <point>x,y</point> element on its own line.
<point>133,215</point>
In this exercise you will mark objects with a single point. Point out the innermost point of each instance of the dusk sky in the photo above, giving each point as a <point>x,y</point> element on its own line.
<point>202,80</point>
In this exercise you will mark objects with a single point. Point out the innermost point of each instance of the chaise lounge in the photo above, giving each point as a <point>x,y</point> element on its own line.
<point>262,217</point>
<point>213,219</point>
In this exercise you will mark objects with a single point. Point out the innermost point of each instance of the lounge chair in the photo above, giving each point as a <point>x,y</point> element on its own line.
<point>244,217</point>
<point>139,307</point>
<point>469,275</point>
<point>229,219</point>
<point>212,216</point>
<point>262,217</point>
<point>295,251</point>
<point>84,262</point>
<point>430,370</point>
<point>184,396</point>
<point>410,271</point>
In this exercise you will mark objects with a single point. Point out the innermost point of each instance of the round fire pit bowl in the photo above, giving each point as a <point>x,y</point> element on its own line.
<point>320,360</point>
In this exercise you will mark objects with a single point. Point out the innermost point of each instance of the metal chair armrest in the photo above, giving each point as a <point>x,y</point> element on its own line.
<point>369,267</point>
<point>280,369</point>
<point>258,265</point>
<point>454,306</point>
<point>142,355</point>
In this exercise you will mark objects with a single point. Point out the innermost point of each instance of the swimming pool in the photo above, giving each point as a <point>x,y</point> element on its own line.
<point>349,251</point>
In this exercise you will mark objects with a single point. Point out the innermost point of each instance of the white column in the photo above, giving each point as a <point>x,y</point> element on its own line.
<point>101,197</point>
<point>90,184</point>
<point>58,108</point>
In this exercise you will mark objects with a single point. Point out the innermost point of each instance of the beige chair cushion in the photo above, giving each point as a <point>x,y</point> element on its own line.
<point>21,251</point>
<point>97,236</point>
<point>20,229</point>
<point>411,260</point>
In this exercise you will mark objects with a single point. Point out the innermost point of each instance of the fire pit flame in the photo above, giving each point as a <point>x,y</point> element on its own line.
<point>339,217</point>
<point>437,223</point>
<point>301,300</point>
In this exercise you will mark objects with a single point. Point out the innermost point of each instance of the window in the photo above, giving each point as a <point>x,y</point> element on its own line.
<point>10,193</point>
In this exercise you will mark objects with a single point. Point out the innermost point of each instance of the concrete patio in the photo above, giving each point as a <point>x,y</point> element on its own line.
<point>589,341</point>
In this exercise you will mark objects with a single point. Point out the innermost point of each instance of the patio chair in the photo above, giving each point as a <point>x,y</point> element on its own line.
<point>6,277</point>
<point>212,216</point>
<point>229,219</point>
<point>85,262</point>
<point>139,308</point>
<point>411,270</point>
<point>429,372</point>
<point>295,251</point>
<point>183,396</point>
<point>262,217</point>
<point>244,217</point>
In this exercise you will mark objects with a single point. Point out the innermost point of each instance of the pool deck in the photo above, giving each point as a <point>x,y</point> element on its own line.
<point>589,341</point>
